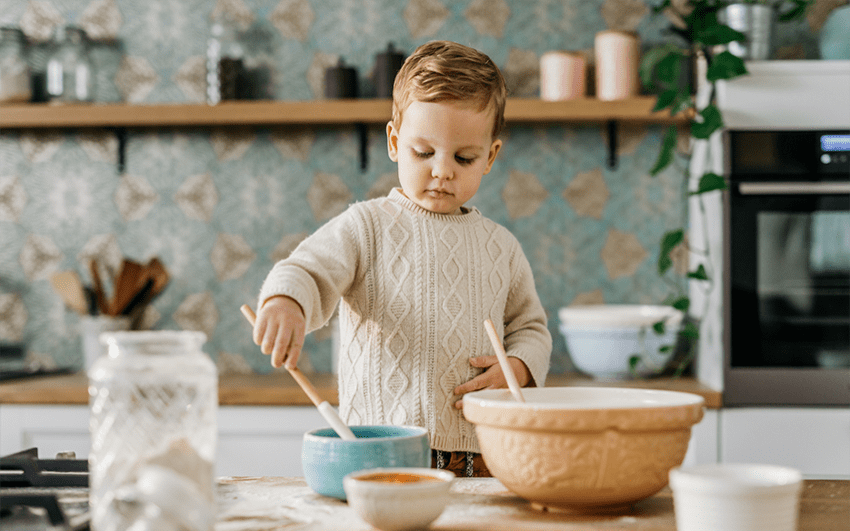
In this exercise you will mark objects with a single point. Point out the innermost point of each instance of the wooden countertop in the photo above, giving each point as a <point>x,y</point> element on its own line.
<point>250,503</point>
<point>279,389</point>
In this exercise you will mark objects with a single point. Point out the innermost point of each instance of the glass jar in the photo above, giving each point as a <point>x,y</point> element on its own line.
<point>14,70</point>
<point>70,71</point>
<point>153,402</point>
<point>225,62</point>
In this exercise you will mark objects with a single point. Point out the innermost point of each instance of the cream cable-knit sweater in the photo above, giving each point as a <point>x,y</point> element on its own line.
<point>415,288</point>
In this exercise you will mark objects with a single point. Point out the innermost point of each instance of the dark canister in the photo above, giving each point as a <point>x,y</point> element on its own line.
<point>341,81</point>
<point>387,65</point>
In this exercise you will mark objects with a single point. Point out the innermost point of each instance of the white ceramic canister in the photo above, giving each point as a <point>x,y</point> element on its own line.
<point>153,403</point>
<point>562,76</point>
<point>736,497</point>
<point>617,56</point>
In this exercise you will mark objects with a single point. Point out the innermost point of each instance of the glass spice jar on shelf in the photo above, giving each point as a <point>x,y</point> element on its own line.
<point>70,71</point>
<point>226,71</point>
<point>14,71</point>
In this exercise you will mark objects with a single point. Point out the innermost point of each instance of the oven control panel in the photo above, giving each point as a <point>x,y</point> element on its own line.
<point>835,151</point>
<point>788,156</point>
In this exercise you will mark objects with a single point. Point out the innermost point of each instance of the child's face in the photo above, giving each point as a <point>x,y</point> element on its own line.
<point>443,150</point>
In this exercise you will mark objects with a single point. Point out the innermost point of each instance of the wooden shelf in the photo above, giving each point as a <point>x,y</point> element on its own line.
<point>318,112</point>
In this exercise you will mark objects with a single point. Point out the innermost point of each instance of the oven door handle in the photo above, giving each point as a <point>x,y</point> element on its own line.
<point>808,188</point>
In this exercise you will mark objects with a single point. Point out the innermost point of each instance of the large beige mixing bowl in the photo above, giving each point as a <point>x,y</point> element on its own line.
<point>583,449</point>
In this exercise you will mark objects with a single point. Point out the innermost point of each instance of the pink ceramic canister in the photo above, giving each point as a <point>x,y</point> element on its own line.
<point>617,56</point>
<point>562,76</point>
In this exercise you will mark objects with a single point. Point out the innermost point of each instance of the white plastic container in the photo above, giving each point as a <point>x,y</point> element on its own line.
<point>153,402</point>
<point>736,497</point>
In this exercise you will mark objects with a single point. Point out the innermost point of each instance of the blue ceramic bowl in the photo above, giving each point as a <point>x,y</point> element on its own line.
<point>326,458</point>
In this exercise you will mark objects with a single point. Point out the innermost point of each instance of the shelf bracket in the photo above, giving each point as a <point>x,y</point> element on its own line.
<point>363,138</point>
<point>121,136</point>
<point>612,144</point>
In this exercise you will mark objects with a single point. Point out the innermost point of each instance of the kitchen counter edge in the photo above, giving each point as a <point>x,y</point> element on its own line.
<point>279,389</point>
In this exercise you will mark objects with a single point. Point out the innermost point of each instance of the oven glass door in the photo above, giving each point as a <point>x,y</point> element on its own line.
<point>790,276</point>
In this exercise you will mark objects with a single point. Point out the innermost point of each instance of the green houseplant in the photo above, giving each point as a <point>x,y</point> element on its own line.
<point>668,71</point>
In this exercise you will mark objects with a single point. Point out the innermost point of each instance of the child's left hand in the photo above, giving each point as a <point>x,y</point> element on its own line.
<point>492,377</point>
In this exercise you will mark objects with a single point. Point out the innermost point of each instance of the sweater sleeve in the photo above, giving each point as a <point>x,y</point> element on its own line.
<point>319,271</point>
<point>526,334</point>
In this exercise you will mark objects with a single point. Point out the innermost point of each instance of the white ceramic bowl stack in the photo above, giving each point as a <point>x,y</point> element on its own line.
<point>601,338</point>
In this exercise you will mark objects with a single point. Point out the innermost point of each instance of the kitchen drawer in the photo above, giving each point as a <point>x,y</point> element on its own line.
<point>263,440</point>
<point>51,429</point>
<point>703,447</point>
<point>252,441</point>
<point>813,440</point>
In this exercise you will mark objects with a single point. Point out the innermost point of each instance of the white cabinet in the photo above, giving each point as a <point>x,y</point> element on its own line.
<point>813,440</point>
<point>703,446</point>
<point>252,440</point>
<point>770,96</point>
<point>51,429</point>
<point>263,441</point>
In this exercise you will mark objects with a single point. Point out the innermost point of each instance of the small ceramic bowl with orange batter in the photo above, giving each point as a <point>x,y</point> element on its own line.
<point>395,499</point>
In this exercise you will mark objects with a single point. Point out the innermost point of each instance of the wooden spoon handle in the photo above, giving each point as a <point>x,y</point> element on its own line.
<point>296,373</point>
<point>513,384</point>
<point>327,410</point>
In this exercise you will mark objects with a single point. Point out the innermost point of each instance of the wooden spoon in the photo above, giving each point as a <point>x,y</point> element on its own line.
<point>327,411</point>
<point>156,270</point>
<point>69,286</point>
<point>131,277</point>
<point>513,384</point>
<point>97,285</point>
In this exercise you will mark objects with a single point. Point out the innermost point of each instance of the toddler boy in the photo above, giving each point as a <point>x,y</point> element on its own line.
<point>416,273</point>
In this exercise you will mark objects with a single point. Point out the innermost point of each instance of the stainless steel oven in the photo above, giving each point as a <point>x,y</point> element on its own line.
<point>787,267</point>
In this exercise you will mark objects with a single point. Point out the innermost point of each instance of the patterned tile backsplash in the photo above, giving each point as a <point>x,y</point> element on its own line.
<point>220,206</point>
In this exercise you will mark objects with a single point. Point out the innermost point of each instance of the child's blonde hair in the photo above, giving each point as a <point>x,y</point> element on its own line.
<point>447,71</point>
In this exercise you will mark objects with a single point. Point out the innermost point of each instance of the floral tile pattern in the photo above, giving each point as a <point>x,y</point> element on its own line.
<point>220,206</point>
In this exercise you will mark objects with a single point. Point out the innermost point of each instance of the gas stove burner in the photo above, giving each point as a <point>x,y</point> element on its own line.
<point>43,493</point>
<point>25,469</point>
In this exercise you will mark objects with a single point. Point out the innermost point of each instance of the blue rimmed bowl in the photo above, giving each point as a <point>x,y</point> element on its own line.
<point>326,458</point>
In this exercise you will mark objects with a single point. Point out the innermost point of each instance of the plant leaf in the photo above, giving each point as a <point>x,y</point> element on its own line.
<point>714,34</point>
<point>650,61</point>
<point>682,304</point>
<point>795,12</point>
<point>725,65</point>
<point>698,274</point>
<point>634,359</point>
<point>668,242</point>
<point>710,182</point>
<point>668,147</point>
<point>669,68</point>
<point>665,99</point>
<point>689,330</point>
<point>659,327</point>
<point>665,348</point>
<point>712,120</point>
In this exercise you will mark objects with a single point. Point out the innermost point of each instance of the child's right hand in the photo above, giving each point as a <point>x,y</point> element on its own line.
<point>279,330</point>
